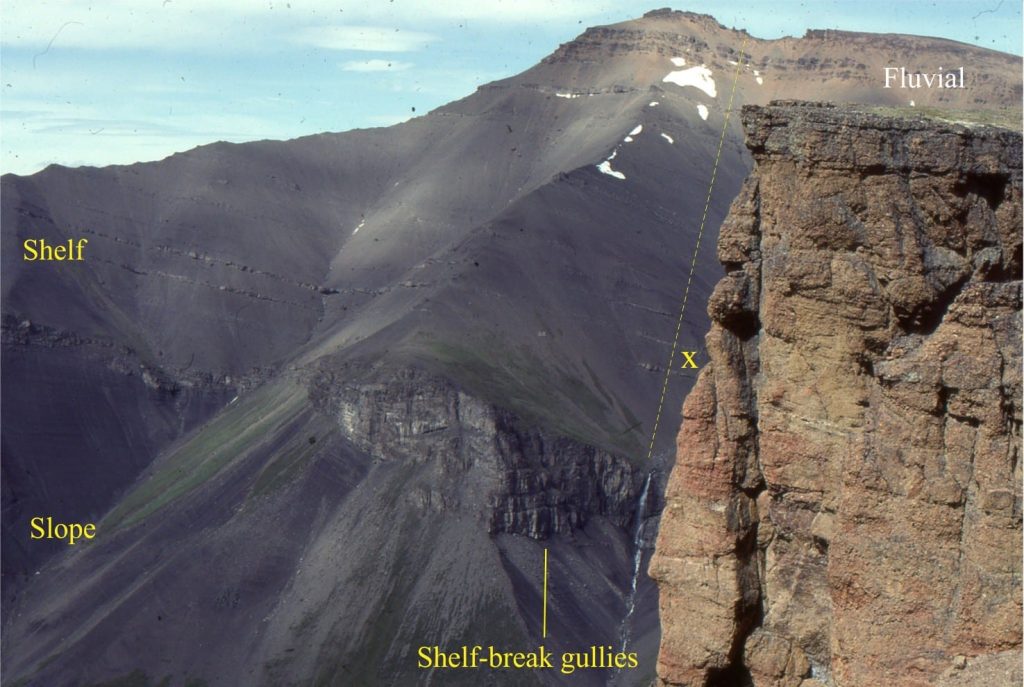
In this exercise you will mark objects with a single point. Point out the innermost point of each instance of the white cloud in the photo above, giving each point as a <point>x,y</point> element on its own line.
<point>244,25</point>
<point>364,38</point>
<point>185,25</point>
<point>42,131</point>
<point>375,66</point>
<point>50,25</point>
<point>496,11</point>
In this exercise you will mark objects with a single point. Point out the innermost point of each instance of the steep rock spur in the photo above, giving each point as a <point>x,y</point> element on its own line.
<point>846,504</point>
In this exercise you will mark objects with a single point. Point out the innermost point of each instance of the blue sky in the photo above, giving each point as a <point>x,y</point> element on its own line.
<point>116,81</point>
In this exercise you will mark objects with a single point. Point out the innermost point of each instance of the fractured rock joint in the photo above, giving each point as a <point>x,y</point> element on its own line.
<point>846,505</point>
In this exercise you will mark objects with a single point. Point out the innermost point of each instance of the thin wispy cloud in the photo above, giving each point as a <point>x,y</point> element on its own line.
<point>207,126</point>
<point>47,26</point>
<point>495,11</point>
<point>125,80</point>
<point>375,66</point>
<point>182,25</point>
<point>364,38</point>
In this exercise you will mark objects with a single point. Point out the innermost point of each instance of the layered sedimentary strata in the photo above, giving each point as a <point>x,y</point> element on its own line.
<point>846,504</point>
<point>527,481</point>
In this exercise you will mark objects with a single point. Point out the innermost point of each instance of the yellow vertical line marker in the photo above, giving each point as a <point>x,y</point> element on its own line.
<point>693,259</point>
<point>544,607</point>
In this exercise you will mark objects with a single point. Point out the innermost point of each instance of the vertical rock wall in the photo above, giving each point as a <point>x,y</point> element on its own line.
<point>520,480</point>
<point>846,504</point>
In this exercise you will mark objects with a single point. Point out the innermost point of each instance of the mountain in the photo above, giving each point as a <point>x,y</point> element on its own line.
<point>331,399</point>
<point>845,508</point>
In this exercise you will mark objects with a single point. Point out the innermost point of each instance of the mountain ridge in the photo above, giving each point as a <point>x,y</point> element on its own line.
<point>480,250</point>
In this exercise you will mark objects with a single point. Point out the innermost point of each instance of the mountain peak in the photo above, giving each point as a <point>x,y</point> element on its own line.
<point>656,32</point>
<point>667,46</point>
<point>675,15</point>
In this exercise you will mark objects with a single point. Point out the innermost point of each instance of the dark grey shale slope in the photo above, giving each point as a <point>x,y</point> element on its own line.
<point>334,526</point>
<point>447,341</point>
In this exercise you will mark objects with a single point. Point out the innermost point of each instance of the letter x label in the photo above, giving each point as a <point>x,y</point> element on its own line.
<point>689,362</point>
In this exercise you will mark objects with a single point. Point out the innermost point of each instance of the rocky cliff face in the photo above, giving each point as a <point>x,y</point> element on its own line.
<point>844,66</point>
<point>525,481</point>
<point>846,504</point>
<point>395,499</point>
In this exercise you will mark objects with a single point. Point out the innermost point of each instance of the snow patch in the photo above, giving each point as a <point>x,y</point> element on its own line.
<point>679,61</point>
<point>606,168</point>
<point>698,77</point>
<point>667,138</point>
<point>567,95</point>
<point>757,73</point>
<point>636,130</point>
<point>733,62</point>
<point>359,227</point>
<point>627,139</point>
<point>759,80</point>
<point>654,103</point>
<point>702,110</point>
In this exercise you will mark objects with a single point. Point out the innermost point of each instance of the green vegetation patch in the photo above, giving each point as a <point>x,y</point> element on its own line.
<point>232,434</point>
<point>288,463</point>
<point>138,678</point>
<point>541,393</point>
<point>546,395</point>
<point>1004,117</point>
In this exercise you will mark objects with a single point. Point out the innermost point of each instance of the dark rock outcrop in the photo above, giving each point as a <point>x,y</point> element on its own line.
<point>525,481</point>
<point>846,504</point>
<point>347,506</point>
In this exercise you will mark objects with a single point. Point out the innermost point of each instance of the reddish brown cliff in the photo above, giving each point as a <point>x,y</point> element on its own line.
<point>846,505</point>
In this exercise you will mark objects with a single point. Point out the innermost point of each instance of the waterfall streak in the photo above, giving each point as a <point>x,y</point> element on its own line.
<point>638,555</point>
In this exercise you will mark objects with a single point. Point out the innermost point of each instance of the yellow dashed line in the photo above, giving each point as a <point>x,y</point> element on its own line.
<point>693,260</point>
